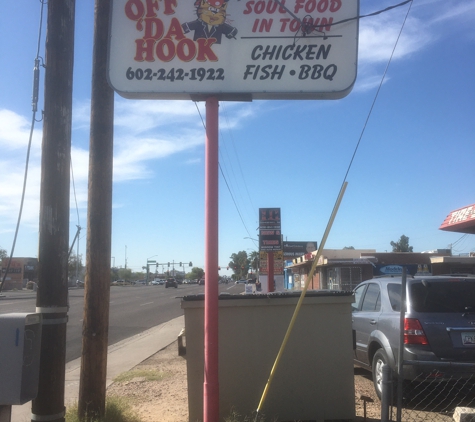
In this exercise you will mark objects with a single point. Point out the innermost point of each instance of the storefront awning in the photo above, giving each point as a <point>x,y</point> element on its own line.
<point>461,220</point>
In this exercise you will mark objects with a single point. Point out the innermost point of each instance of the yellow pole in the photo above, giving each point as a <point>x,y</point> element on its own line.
<point>302,295</point>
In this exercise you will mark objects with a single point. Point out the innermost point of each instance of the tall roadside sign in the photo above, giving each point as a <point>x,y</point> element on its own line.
<point>231,50</point>
<point>270,239</point>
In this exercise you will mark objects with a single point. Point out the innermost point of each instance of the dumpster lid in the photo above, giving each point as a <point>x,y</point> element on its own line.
<point>274,295</point>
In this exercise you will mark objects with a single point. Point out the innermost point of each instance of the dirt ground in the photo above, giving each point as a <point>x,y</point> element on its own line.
<point>165,400</point>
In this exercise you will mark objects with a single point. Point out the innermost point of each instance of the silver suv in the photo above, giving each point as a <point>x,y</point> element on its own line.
<point>439,324</point>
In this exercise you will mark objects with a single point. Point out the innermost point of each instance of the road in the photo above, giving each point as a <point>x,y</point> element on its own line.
<point>133,309</point>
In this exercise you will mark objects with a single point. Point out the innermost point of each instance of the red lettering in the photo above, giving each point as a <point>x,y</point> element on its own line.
<point>169,7</point>
<point>284,22</point>
<point>294,25</point>
<point>134,9</point>
<point>204,50</point>
<point>152,5</point>
<point>326,24</point>
<point>144,47</point>
<point>186,50</point>
<point>153,28</point>
<point>282,9</point>
<point>299,4</point>
<point>271,6</point>
<point>335,5</point>
<point>248,8</point>
<point>175,30</point>
<point>322,6</point>
<point>260,6</point>
<point>310,6</point>
<point>165,50</point>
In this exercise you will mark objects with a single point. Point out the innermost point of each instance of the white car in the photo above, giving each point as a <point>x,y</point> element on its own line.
<point>157,282</point>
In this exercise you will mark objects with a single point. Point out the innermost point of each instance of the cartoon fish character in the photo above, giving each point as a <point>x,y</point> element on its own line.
<point>211,22</point>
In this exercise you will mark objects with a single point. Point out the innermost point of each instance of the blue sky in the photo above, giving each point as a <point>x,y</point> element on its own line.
<point>414,165</point>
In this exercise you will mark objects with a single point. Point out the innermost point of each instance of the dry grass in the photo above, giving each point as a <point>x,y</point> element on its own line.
<point>118,409</point>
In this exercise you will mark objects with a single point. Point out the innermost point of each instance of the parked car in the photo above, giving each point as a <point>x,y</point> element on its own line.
<point>243,281</point>
<point>201,282</point>
<point>439,324</point>
<point>171,282</point>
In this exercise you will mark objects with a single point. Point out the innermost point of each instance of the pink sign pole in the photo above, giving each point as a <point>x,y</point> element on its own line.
<point>211,380</point>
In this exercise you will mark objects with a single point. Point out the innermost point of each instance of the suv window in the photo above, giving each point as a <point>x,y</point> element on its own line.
<point>372,299</point>
<point>358,294</point>
<point>394,294</point>
<point>449,296</point>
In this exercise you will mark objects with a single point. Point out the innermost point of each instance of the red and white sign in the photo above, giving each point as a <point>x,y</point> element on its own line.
<point>461,220</point>
<point>233,49</point>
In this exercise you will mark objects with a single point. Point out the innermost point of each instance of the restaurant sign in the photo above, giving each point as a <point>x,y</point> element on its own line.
<point>295,249</point>
<point>233,49</point>
<point>461,220</point>
<point>270,235</point>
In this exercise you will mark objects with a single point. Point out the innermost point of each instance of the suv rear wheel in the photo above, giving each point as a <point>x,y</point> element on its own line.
<point>380,358</point>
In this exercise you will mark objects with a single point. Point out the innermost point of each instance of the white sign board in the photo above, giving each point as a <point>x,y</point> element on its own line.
<point>233,49</point>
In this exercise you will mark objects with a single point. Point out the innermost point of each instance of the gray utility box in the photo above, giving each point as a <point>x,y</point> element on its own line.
<point>314,380</point>
<point>20,341</point>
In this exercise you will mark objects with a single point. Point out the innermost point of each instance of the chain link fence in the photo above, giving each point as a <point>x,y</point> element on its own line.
<point>434,396</point>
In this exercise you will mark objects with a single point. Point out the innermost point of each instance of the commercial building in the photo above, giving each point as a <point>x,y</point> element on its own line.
<point>20,272</point>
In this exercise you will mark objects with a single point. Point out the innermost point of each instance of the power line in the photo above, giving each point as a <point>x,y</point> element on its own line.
<point>36,77</point>
<point>224,177</point>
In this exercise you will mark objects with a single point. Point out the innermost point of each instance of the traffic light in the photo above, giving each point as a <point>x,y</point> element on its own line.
<point>168,264</point>
<point>181,264</point>
<point>190,264</point>
<point>227,268</point>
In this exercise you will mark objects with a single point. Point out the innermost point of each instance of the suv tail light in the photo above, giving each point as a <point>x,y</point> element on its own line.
<point>413,332</point>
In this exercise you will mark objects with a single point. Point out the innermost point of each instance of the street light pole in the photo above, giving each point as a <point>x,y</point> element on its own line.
<point>149,262</point>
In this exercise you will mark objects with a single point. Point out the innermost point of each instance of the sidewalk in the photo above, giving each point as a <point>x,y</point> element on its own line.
<point>121,357</point>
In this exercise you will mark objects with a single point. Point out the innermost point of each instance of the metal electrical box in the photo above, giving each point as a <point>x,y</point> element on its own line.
<point>20,341</point>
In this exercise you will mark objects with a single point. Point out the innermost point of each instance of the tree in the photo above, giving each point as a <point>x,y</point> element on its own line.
<point>349,247</point>
<point>75,266</point>
<point>402,245</point>
<point>254,260</point>
<point>3,253</point>
<point>125,274</point>
<point>195,274</point>
<point>239,264</point>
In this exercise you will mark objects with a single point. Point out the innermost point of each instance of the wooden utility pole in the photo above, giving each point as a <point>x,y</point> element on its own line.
<point>92,387</point>
<point>52,296</point>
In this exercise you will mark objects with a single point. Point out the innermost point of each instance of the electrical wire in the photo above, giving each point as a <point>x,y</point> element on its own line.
<point>377,94</point>
<point>224,177</point>
<point>36,77</point>
<point>306,27</point>
<point>237,158</point>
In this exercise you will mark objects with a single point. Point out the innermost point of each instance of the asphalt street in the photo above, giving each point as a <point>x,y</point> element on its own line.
<point>133,309</point>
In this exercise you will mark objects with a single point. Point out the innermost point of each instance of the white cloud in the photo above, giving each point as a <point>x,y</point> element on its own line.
<point>15,132</point>
<point>142,116</point>
<point>377,42</point>
<point>378,37</point>
<point>463,11</point>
